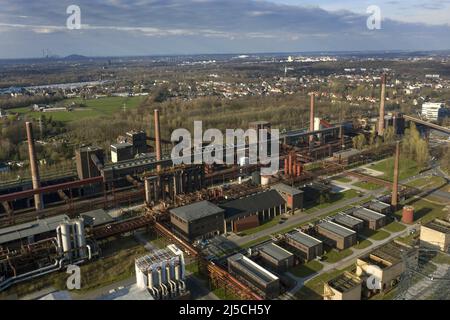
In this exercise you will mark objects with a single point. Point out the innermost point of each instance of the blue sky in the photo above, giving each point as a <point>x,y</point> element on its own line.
<point>146,27</point>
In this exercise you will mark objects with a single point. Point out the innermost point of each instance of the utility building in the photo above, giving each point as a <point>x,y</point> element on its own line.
<point>255,275</point>
<point>307,247</point>
<point>379,207</point>
<point>346,286</point>
<point>276,257</point>
<point>436,234</point>
<point>372,219</point>
<point>292,196</point>
<point>121,152</point>
<point>336,235</point>
<point>198,220</point>
<point>349,222</point>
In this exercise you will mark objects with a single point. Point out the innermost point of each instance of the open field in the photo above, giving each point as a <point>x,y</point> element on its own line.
<point>424,210</point>
<point>428,183</point>
<point>94,108</point>
<point>368,185</point>
<point>307,269</point>
<point>333,255</point>
<point>408,168</point>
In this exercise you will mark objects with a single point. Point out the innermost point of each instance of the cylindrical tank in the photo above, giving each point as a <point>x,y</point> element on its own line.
<point>256,178</point>
<point>265,180</point>
<point>81,237</point>
<point>65,238</point>
<point>408,215</point>
<point>286,164</point>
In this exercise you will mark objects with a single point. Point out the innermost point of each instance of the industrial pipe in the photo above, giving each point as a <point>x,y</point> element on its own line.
<point>38,203</point>
<point>157,138</point>
<point>311,116</point>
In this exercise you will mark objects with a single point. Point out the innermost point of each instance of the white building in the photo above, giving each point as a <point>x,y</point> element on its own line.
<point>432,111</point>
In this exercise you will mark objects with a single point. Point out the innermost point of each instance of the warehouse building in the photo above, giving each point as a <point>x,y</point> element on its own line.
<point>379,207</point>
<point>349,222</point>
<point>313,192</point>
<point>121,152</point>
<point>346,286</point>
<point>199,220</point>
<point>436,234</point>
<point>386,264</point>
<point>347,156</point>
<point>307,247</point>
<point>96,218</point>
<point>249,212</point>
<point>30,232</point>
<point>292,196</point>
<point>372,219</point>
<point>255,275</point>
<point>276,257</point>
<point>336,235</point>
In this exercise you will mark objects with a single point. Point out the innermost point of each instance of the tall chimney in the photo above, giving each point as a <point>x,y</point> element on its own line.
<point>311,116</point>
<point>382,102</point>
<point>38,203</point>
<point>394,201</point>
<point>157,139</point>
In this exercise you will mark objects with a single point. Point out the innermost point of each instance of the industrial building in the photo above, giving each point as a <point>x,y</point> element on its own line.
<point>349,222</point>
<point>436,234</point>
<point>292,196</point>
<point>345,286</point>
<point>198,220</point>
<point>433,111</point>
<point>30,232</point>
<point>255,275</point>
<point>162,272</point>
<point>276,257</point>
<point>307,247</point>
<point>372,219</point>
<point>386,264</point>
<point>89,160</point>
<point>250,211</point>
<point>96,218</point>
<point>315,191</point>
<point>336,235</point>
<point>379,207</point>
<point>121,152</point>
<point>347,156</point>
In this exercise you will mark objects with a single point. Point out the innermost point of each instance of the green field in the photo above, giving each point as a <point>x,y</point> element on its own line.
<point>407,168</point>
<point>363,244</point>
<point>394,227</point>
<point>343,180</point>
<point>376,235</point>
<point>333,255</point>
<point>307,269</point>
<point>428,183</point>
<point>424,211</point>
<point>94,108</point>
<point>368,185</point>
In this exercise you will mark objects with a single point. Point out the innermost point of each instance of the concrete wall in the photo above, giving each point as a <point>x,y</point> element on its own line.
<point>434,239</point>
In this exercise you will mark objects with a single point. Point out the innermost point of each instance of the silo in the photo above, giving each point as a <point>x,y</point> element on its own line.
<point>65,239</point>
<point>81,237</point>
<point>408,215</point>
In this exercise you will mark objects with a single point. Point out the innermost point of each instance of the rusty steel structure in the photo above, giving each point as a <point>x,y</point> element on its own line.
<point>311,116</point>
<point>382,105</point>
<point>38,202</point>
<point>157,138</point>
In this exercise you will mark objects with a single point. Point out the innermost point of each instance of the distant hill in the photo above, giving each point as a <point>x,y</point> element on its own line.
<point>76,57</point>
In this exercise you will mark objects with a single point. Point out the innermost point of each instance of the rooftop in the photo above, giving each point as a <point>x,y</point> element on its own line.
<point>96,217</point>
<point>147,262</point>
<point>284,188</point>
<point>29,229</point>
<point>378,205</point>
<point>252,204</point>
<point>337,229</point>
<point>347,220</point>
<point>439,225</point>
<point>253,268</point>
<point>121,145</point>
<point>304,239</point>
<point>276,251</point>
<point>367,214</point>
<point>347,153</point>
<point>197,210</point>
<point>344,282</point>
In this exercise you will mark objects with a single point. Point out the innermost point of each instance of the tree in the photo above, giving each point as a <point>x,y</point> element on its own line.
<point>359,141</point>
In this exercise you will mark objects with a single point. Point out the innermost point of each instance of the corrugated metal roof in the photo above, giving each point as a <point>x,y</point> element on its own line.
<point>276,251</point>
<point>337,229</point>
<point>253,268</point>
<point>252,204</point>
<point>281,187</point>
<point>29,229</point>
<point>197,210</point>
<point>304,239</point>
<point>347,220</point>
<point>367,214</point>
<point>97,217</point>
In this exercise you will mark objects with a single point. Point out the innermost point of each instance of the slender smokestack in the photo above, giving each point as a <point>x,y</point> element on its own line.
<point>38,203</point>
<point>382,102</point>
<point>394,201</point>
<point>311,116</point>
<point>157,138</point>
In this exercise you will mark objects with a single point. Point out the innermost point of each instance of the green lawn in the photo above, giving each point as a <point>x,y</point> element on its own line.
<point>343,180</point>
<point>334,199</point>
<point>428,182</point>
<point>441,258</point>
<point>368,185</point>
<point>424,211</point>
<point>407,168</point>
<point>94,108</point>
<point>376,235</point>
<point>307,269</point>
<point>363,244</point>
<point>333,255</point>
<point>394,227</point>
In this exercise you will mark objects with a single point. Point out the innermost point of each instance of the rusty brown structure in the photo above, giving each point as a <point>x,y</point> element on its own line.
<point>311,116</point>
<point>394,201</point>
<point>382,104</point>
<point>157,138</point>
<point>38,201</point>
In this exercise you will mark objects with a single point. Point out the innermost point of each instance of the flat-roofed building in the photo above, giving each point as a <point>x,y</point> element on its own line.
<point>292,196</point>
<point>379,207</point>
<point>349,222</point>
<point>436,234</point>
<point>198,220</point>
<point>275,257</point>
<point>249,212</point>
<point>305,245</point>
<point>345,286</point>
<point>121,152</point>
<point>373,220</point>
<point>336,235</point>
<point>258,277</point>
<point>314,191</point>
<point>386,264</point>
<point>347,156</point>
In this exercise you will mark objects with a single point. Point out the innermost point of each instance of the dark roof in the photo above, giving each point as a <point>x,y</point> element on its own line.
<point>276,252</point>
<point>121,145</point>
<point>439,225</point>
<point>367,214</point>
<point>304,239</point>
<point>284,188</point>
<point>347,220</point>
<point>96,217</point>
<point>252,204</point>
<point>378,205</point>
<point>197,210</point>
<point>337,229</point>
